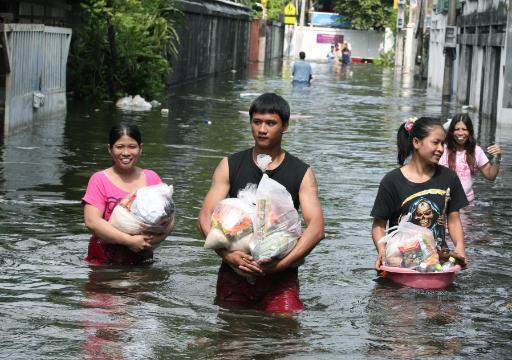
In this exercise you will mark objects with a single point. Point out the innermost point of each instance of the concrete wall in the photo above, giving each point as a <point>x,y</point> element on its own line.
<point>436,53</point>
<point>274,43</point>
<point>478,78</point>
<point>266,40</point>
<point>214,37</point>
<point>481,41</point>
<point>365,44</point>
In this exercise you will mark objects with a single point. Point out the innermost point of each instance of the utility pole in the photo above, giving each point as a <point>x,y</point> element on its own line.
<point>449,56</point>
<point>399,52</point>
<point>410,39</point>
<point>302,18</point>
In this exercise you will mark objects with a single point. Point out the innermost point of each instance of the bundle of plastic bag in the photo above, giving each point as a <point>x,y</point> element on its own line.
<point>408,245</point>
<point>261,221</point>
<point>277,223</point>
<point>231,223</point>
<point>148,209</point>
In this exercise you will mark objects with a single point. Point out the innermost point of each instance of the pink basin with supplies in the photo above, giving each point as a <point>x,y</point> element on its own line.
<point>420,280</point>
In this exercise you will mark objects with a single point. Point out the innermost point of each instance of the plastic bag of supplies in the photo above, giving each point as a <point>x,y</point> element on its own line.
<point>408,245</point>
<point>231,223</point>
<point>148,209</point>
<point>261,221</point>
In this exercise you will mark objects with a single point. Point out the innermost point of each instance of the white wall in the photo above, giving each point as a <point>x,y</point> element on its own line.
<point>436,53</point>
<point>365,44</point>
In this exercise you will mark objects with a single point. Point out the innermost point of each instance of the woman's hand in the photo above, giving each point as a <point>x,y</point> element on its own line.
<point>495,151</point>
<point>378,263</point>
<point>242,261</point>
<point>155,239</point>
<point>137,243</point>
<point>460,256</point>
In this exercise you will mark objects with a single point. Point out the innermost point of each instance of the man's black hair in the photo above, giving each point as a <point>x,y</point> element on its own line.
<point>302,55</point>
<point>271,103</point>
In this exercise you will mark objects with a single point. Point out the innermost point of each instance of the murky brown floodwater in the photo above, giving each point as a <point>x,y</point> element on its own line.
<point>54,306</point>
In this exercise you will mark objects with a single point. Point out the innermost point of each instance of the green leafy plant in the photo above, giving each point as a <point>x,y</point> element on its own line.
<point>368,14</point>
<point>386,58</point>
<point>123,47</point>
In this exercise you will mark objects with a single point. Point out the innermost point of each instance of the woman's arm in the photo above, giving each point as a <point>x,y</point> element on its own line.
<point>105,231</point>
<point>456,233</point>
<point>490,170</point>
<point>378,232</point>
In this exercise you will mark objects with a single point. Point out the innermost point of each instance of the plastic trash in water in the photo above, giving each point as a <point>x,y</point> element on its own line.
<point>137,103</point>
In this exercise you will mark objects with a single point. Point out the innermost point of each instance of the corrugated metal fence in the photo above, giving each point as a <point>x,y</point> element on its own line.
<point>35,86</point>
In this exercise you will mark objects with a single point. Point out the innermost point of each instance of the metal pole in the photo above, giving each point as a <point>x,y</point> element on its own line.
<point>302,12</point>
<point>449,56</point>
<point>399,52</point>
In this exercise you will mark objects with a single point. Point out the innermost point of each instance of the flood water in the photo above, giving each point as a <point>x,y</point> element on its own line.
<point>54,306</point>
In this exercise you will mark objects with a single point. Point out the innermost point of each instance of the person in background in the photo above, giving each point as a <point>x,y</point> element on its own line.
<point>430,193</point>
<point>106,188</point>
<point>346,54</point>
<point>276,288</point>
<point>301,70</point>
<point>465,157</point>
<point>337,50</point>
<point>331,55</point>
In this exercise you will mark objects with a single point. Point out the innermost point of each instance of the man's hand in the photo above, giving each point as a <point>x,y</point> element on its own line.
<point>242,261</point>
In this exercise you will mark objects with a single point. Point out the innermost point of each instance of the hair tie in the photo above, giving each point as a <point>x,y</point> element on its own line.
<point>409,123</point>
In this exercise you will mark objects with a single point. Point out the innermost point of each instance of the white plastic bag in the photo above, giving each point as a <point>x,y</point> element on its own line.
<point>148,209</point>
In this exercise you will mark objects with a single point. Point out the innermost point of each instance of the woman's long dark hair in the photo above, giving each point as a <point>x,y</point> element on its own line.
<point>121,129</point>
<point>420,130</point>
<point>469,146</point>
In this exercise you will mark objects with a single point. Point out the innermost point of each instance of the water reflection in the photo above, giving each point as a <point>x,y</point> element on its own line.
<point>38,148</point>
<point>414,322</point>
<point>113,314</point>
<point>241,333</point>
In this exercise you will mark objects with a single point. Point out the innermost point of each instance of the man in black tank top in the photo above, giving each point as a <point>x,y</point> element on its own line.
<point>276,288</point>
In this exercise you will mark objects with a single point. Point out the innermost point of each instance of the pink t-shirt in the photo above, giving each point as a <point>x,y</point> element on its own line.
<point>104,195</point>
<point>462,168</point>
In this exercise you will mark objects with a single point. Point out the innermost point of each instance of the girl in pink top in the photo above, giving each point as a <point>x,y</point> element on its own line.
<point>106,188</point>
<point>463,155</point>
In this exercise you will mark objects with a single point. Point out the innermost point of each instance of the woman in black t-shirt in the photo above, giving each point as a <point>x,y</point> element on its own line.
<point>429,192</point>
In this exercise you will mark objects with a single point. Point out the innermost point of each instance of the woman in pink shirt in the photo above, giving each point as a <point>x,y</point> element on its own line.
<point>463,155</point>
<point>106,188</point>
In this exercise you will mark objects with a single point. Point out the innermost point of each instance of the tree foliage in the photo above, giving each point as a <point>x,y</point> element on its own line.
<point>368,14</point>
<point>275,8</point>
<point>136,58</point>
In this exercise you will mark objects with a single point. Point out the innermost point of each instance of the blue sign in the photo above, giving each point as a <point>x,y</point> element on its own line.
<point>329,20</point>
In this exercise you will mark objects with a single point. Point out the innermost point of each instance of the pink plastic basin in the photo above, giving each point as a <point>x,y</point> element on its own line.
<point>420,280</point>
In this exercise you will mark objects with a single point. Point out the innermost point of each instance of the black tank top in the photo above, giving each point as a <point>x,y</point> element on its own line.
<point>243,171</point>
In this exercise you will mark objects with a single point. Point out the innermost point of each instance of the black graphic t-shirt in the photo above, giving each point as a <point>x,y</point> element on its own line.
<point>428,202</point>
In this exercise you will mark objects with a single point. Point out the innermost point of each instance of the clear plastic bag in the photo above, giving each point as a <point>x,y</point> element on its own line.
<point>261,221</point>
<point>231,222</point>
<point>148,209</point>
<point>408,245</point>
<point>277,224</point>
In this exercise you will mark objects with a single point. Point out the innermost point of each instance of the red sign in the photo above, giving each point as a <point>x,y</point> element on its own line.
<point>329,38</point>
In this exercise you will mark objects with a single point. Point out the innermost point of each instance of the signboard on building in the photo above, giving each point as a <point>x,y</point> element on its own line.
<point>329,20</point>
<point>329,38</point>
